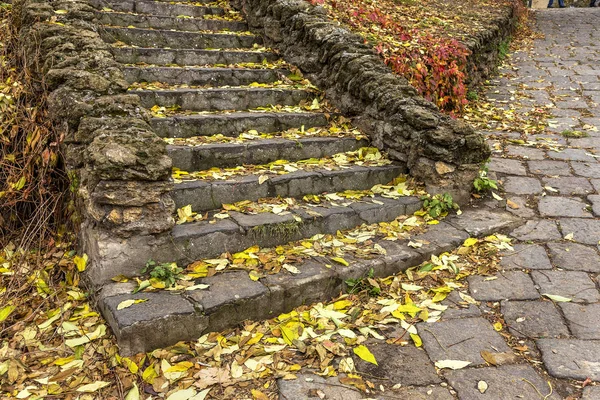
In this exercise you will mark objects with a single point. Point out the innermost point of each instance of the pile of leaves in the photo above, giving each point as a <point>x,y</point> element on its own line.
<point>32,180</point>
<point>421,40</point>
<point>52,343</point>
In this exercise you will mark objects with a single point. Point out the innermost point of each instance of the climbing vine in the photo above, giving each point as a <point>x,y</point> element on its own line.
<point>419,41</point>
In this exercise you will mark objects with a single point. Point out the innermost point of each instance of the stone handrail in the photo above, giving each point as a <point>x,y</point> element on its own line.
<point>442,152</point>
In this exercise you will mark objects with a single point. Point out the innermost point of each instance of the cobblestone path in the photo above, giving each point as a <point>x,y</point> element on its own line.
<point>555,185</point>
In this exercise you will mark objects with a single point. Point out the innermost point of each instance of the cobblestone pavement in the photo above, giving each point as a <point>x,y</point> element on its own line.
<point>555,186</point>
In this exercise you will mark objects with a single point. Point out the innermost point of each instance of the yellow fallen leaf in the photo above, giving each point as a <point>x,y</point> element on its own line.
<point>258,395</point>
<point>97,333</point>
<point>5,312</point>
<point>340,260</point>
<point>80,262</point>
<point>470,242</point>
<point>364,353</point>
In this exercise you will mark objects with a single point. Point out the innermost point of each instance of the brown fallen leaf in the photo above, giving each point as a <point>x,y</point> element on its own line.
<point>498,358</point>
<point>512,204</point>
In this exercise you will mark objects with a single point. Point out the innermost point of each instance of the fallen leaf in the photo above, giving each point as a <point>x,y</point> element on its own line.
<point>451,364</point>
<point>364,353</point>
<point>482,386</point>
<point>557,298</point>
<point>92,387</point>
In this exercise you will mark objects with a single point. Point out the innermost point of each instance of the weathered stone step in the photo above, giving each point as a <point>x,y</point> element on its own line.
<point>203,240</point>
<point>198,158</point>
<point>233,124</point>
<point>135,55</point>
<point>233,297</point>
<point>167,23</point>
<point>220,99</point>
<point>209,195</point>
<point>203,76</point>
<point>178,39</point>
<point>158,8</point>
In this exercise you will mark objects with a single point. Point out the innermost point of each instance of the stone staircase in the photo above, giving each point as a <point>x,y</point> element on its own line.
<point>231,111</point>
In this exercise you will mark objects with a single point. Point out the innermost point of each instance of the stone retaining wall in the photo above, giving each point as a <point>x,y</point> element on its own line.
<point>119,167</point>
<point>442,152</point>
<point>485,47</point>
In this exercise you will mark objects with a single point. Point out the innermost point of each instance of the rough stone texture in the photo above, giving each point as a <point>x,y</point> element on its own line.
<point>595,200</point>
<point>458,308</point>
<point>107,135</point>
<point>569,186</point>
<point>149,325</point>
<point>460,339</point>
<point>232,297</point>
<point>585,231</point>
<point>537,230</point>
<point>571,284</point>
<point>583,319</point>
<point>522,185</point>
<point>512,285</point>
<point>507,166</point>
<point>480,222</point>
<point>574,256</point>
<point>526,256</point>
<point>589,170</point>
<point>571,358</point>
<point>407,365</point>
<point>504,382</point>
<point>301,389</point>
<point>549,167</point>
<point>555,206</point>
<point>359,84</point>
<point>533,319</point>
<point>591,393</point>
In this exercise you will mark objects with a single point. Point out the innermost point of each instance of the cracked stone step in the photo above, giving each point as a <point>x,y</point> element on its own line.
<point>168,23</point>
<point>209,195</point>
<point>135,55</point>
<point>158,7</point>
<point>233,297</point>
<point>203,76</point>
<point>222,99</point>
<point>263,151</point>
<point>233,124</point>
<point>178,39</point>
<point>204,240</point>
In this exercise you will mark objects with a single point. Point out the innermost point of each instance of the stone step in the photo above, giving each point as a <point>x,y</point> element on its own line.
<point>220,99</point>
<point>163,8</point>
<point>177,39</point>
<point>135,55</point>
<point>233,124</point>
<point>167,23</point>
<point>227,155</point>
<point>205,195</point>
<point>232,297</point>
<point>204,76</point>
<point>205,240</point>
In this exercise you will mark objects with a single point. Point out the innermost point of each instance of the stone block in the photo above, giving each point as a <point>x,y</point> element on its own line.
<point>504,382</point>
<point>574,256</point>
<point>574,285</point>
<point>460,339</point>
<point>533,319</point>
<point>571,358</point>
<point>525,256</point>
<point>511,285</point>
